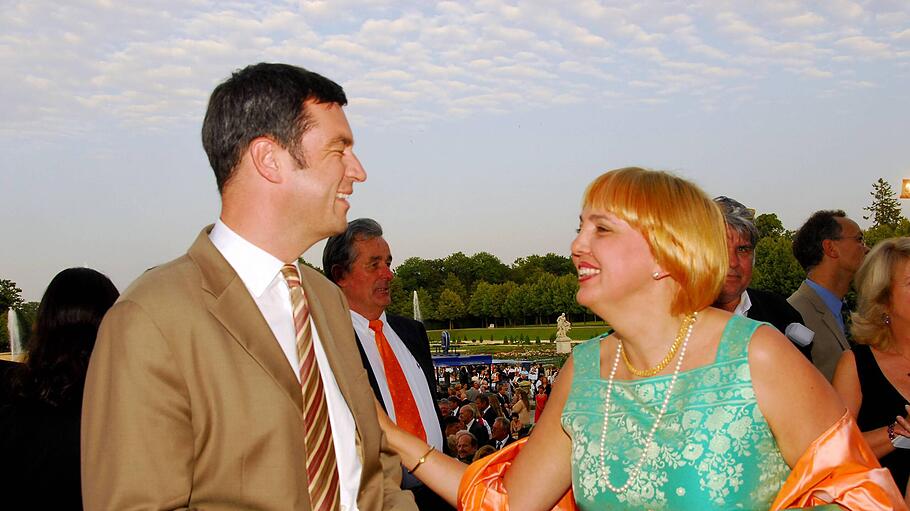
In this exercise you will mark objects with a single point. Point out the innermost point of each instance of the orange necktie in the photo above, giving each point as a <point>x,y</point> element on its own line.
<point>407,416</point>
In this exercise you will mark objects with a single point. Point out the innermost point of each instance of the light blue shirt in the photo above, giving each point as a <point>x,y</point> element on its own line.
<point>833,303</point>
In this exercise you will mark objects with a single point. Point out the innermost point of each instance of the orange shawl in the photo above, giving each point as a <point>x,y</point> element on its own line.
<point>837,468</point>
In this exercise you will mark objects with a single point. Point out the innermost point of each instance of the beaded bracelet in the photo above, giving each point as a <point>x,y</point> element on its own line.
<point>420,460</point>
<point>891,434</point>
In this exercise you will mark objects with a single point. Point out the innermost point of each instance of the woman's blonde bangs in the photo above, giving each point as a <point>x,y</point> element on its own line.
<point>683,227</point>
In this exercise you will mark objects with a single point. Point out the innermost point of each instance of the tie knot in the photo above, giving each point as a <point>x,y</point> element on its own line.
<point>376,325</point>
<point>291,275</point>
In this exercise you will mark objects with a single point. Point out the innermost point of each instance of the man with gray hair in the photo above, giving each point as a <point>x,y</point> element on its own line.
<point>394,350</point>
<point>737,297</point>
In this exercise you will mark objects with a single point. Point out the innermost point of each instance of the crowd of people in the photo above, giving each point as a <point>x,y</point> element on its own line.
<point>227,378</point>
<point>491,407</point>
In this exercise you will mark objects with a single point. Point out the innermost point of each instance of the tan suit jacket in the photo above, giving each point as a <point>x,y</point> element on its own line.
<point>829,342</point>
<point>191,404</point>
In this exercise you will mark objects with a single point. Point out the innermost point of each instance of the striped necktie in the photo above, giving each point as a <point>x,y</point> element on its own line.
<point>321,466</point>
<point>407,416</point>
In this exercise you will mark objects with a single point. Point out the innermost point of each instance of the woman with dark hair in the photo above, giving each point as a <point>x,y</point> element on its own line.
<point>39,427</point>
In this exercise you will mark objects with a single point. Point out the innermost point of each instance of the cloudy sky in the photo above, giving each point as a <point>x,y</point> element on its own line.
<point>479,122</point>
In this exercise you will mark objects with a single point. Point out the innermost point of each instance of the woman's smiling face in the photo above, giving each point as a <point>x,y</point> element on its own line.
<point>613,260</point>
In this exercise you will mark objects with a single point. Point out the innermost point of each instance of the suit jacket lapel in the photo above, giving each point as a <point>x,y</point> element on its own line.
<point>405,333</point>
<point>232,305</point>
<point>322,322</point>
<point>827,316</point>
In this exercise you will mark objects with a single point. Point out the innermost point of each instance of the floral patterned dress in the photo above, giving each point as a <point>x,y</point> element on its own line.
<point>712,450</point>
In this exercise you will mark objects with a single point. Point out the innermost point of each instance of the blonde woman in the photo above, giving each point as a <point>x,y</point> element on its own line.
<point>874,378</point>
<point>683,406</point>
<point>522,407</point>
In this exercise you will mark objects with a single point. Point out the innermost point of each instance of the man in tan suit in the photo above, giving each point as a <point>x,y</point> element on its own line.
<point>830,247</point>
<point>193,398</point>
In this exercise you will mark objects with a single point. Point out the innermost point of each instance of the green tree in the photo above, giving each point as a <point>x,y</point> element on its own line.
<point>566,289</point>
<point>501,294</point>
<point>482,301</point>
<point>769,226</point>
<point>454,284</point>
<point>885,208</point>
<point>402,303</point>
<point>543,301</point>
<point>10,295</point>
<point>487,267</point>
<point>415,273</point>
<point>526,269</point>
<point>776,269</point>
<point>515,306</point>
<point>427,305</point>
<point>878,233</point>
<point>449,306</point>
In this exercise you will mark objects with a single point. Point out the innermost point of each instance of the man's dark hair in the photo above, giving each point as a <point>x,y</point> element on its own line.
<point>339,254</point>
<point>448,421</point>
<point>807,243</point>
<point>262,100</point>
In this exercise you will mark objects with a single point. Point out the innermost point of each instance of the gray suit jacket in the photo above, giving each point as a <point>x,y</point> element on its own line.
<point>191,404</point>
<point>829,342</point>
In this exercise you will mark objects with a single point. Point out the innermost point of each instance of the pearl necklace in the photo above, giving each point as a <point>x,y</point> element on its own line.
<point>663,410</point>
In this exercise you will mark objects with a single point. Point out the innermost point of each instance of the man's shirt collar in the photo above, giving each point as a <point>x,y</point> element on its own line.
<point>255,267</point>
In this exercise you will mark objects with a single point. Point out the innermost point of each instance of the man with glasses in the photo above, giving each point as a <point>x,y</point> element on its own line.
<point>830,247</point>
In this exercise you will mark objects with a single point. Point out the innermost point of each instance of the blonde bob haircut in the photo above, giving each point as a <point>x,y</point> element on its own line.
<point>683,227</point>
<point>873,286</point>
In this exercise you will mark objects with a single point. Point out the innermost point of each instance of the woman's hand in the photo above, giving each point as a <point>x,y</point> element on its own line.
<point>902,424</point>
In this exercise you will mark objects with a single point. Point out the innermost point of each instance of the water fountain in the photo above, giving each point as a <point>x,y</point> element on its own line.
<point>15,340</point>
<point>417,315</point>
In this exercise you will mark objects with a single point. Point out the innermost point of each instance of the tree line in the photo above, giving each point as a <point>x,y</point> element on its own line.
<point>472,291</point>
<point>477,290</point>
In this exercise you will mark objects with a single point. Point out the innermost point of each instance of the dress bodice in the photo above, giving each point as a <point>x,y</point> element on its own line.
<point>881,403</point>
<point>712,450</point>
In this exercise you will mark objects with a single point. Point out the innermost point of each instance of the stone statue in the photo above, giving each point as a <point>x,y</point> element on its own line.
<point>563,342</point>
<point>562,327</point>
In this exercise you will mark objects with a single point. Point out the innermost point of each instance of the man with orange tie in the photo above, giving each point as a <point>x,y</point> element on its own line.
<point>394,349</point>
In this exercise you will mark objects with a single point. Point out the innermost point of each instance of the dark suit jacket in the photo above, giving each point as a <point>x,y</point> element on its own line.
<point>414,336</point>
<point>480,432</point>
<point>774,309</point>
<point>492,442</point>
<point>190,402</point>
<point>489,415</point>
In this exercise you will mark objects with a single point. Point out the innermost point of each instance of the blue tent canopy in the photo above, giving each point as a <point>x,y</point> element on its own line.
<point>462,360</point>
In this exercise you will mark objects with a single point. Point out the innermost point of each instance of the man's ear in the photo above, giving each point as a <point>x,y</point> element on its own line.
<point>829,248</point>
<point>338,274</point>
<point>264,154</point>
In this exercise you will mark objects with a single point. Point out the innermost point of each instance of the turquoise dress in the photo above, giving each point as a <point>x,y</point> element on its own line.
<point>712,450</point>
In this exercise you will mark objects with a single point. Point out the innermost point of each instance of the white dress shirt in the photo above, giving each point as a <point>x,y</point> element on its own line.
<point>261,273</point>
<point>409,366</point>
<point>745,303</point>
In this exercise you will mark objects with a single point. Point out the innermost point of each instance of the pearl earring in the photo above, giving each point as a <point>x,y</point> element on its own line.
<point>655,275</point>
<point>886,319</point>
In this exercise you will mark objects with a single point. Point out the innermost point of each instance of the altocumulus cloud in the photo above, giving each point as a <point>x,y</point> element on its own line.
<point>150,66</point>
